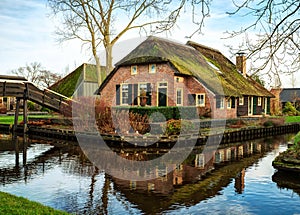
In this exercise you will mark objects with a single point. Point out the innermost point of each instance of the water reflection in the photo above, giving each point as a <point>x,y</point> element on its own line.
<point>58,174</point>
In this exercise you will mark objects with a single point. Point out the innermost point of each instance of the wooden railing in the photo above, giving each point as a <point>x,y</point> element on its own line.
<point>26,90</point>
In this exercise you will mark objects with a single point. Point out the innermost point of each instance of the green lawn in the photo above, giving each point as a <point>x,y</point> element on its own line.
<point>289,119</point>
<point>10,204</point>
<point>10,119</point>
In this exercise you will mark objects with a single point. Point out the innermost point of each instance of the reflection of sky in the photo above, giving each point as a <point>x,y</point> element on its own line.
<point>7,159</point>
<point>260,196</point>
<point>69,192</point>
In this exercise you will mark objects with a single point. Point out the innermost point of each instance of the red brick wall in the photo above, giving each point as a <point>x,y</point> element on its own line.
<point>164,73</point>
<point>275,106</point>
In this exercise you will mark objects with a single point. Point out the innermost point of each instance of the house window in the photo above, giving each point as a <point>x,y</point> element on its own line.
<point>200,160</point>
<point>229,103</point>
<point>179,96</point>
<point>124,94</point>
<point>220,102</point>
<point>134,70</point>
<point>142,87</point>
<point>259,101</point>
<point>152,68</point>
<point>241,100</point>
<point>200,100</point>
<point>178,79</point>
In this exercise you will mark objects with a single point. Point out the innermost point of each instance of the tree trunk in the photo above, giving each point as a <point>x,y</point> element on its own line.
<point>109,66</point>
<point>98,67</point>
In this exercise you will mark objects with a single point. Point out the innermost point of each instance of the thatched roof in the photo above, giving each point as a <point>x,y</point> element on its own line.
<point>209,66</point>
<point>231,79</point>
<point>67,85</point>
<point>185,59</point>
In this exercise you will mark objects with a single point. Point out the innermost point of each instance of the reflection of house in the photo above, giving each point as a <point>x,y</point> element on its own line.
<point>189,183</point>
<point>282,96</point>
<point>174,74</point>
<point>81,82</point>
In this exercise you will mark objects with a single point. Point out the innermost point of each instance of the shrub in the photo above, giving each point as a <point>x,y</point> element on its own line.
<point>175,127</point>
<point>289,109</point>
<point>168,112</point>
<point>139,123</point>
<point>30,106</point>
<point>268,123</point>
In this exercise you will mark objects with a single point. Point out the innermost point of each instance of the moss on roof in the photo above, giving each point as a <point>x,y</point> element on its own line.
<point>67,85</point>
<point>192,59</point>
<point>231,79</point>
<point>184,58</point>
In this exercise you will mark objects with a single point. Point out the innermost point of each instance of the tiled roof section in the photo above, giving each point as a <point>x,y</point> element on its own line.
<point>67,85</point>
<point>233,82</point>
<point>290,94</point>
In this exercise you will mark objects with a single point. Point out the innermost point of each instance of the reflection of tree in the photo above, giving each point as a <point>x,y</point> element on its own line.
<point>105,190</point>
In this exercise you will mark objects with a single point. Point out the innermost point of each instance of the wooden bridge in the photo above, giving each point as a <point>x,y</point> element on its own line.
<point>21,89</point>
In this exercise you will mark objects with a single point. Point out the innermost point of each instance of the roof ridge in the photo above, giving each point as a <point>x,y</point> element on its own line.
<point>192,43</point>
<point>176,42</point>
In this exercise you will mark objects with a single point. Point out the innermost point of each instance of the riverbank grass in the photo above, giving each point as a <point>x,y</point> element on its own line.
<point>10,204</point>
<point>290,119</point>
<point>289,160</point>
<point>5,119</point>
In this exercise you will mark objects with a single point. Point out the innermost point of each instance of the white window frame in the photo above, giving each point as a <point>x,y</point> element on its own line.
<point>222,102</point>
<point>151,70</point>
<point>241,100</point>
<point>229,103</point>
<point>122,103</point>
<point>161,84</point>
<point>259,101</point>
<point>181,96</point>
<point>197,99</point>
<point>134,69</point>
<point>140,90</point>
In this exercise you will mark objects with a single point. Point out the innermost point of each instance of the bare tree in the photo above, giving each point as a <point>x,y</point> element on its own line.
<point>276,45</point>
<point>35,73</point>
<point>47,78</point>
<point>94,21</point>
<point>30,72</point>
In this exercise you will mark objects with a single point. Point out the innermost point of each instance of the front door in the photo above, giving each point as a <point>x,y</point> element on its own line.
<point>162,94</point>
<point>250,106</point>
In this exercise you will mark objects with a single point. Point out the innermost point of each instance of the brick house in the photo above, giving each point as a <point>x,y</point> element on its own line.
<point>282,96</point>
<point>168,73</point>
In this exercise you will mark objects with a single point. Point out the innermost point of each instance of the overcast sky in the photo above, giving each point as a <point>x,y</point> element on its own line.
<point>27,35</point>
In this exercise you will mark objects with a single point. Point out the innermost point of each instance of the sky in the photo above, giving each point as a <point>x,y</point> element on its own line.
<point>27,35</point>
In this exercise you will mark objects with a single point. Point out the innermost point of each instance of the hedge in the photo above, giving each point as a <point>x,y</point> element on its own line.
<point>168,113</point>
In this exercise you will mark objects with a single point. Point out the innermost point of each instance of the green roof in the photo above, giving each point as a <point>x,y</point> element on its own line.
<point>233,82</point>
<point>67,85</point>
<point>209,66</point>
<point>185,59</point>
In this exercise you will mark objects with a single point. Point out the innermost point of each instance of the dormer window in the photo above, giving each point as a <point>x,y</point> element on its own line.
<point>152,68</point>
<point>134,70</point>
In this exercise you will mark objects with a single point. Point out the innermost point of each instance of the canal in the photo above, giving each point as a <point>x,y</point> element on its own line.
<point>237,179</point>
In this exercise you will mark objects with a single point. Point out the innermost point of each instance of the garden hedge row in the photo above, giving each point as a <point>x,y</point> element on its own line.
<point>159,114</point>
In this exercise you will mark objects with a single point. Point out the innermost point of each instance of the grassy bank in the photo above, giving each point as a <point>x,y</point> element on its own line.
<point>289,160</point>
<point>10,119</point>
<point>289,119</point>
<point>10,204</point>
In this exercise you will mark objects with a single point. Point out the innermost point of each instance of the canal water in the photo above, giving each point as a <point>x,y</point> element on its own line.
<point>237,179</point>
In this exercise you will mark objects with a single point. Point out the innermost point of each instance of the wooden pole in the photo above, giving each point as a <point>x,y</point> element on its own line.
<point>25,115</point>
<point>16,115</point>
<point>25,119</point>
